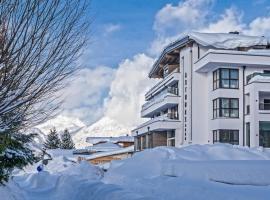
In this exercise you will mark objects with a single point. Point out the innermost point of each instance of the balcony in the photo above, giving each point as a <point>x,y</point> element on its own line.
<point>230,58</point>
<point>167,121</point>
<point>164,99</point>
<point>260,76</point>
<point>169,80</point>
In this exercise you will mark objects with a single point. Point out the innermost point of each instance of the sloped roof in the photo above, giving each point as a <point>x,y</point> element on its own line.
<point>95,140</point>
<point>214,40</point>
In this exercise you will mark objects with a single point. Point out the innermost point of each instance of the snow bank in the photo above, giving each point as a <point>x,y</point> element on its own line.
<point>64,179</point>
<point>155,162</point>
<point>195,172</point>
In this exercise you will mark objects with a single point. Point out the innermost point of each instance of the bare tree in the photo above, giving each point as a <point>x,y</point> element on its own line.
<point>40,40</point>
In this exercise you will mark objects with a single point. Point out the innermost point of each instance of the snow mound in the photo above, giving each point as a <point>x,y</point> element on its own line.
<point>174,173</point>
<point>37,182</point>
<point>64,179</point>
<point>197,172</point>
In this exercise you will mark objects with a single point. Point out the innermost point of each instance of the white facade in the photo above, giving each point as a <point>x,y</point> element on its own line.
<point>213,88</point>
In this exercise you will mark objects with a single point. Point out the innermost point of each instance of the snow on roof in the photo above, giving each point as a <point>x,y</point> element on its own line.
<point>227,40</point>
<point>95,140</point>
<point>102,147</point>
<point>214,40</point>
<point>129,149</point>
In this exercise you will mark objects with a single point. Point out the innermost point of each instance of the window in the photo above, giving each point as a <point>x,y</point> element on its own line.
<point>226,107</point>
<point>171,138</point>
<point>248,134</point>
<point>264,131</point>
<point>166,71</point>
<point>226,78</point>
<point>226,136</point>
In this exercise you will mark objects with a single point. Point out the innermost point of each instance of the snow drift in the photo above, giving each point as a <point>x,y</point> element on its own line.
<point>197,172</point>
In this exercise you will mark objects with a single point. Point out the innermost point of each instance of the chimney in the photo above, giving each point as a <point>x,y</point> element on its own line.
<point>234,32</point>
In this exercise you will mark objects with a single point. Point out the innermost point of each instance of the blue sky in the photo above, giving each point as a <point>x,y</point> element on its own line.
<point>134,21</point>
<point>127,36</point>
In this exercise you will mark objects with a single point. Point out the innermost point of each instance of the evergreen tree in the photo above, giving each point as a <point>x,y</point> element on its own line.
<point>66,142</point>
<point>53,141</point>
<point>15,151</point>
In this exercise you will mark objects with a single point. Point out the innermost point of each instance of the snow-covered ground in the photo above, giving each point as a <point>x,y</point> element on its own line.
<point>192,172</point>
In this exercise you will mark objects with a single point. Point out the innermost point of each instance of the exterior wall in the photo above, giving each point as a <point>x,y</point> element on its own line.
<point>108,159</point>
<point>200,101</point>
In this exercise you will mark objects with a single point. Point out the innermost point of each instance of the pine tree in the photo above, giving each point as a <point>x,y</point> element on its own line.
<point>15,151</point>
<point>53,141</point>
<point>66,142</point>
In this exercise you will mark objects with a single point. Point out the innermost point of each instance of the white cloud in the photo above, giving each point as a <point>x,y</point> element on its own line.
<point>159,43</point>
<point>191,15</point>
<point>230,20</point>
<point>187,14</point>
<point>114,93</point>
<point>127,90</point>
<point>172,20</point>
<point>110,28</point>
<point>259,26</point>
<point>83,96</point>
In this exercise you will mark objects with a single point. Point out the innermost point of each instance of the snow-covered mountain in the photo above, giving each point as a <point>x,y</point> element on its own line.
<point>105,127</point>
<point>61,123</point>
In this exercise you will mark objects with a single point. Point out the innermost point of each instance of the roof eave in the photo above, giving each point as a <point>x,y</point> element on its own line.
<point>169,48</point>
